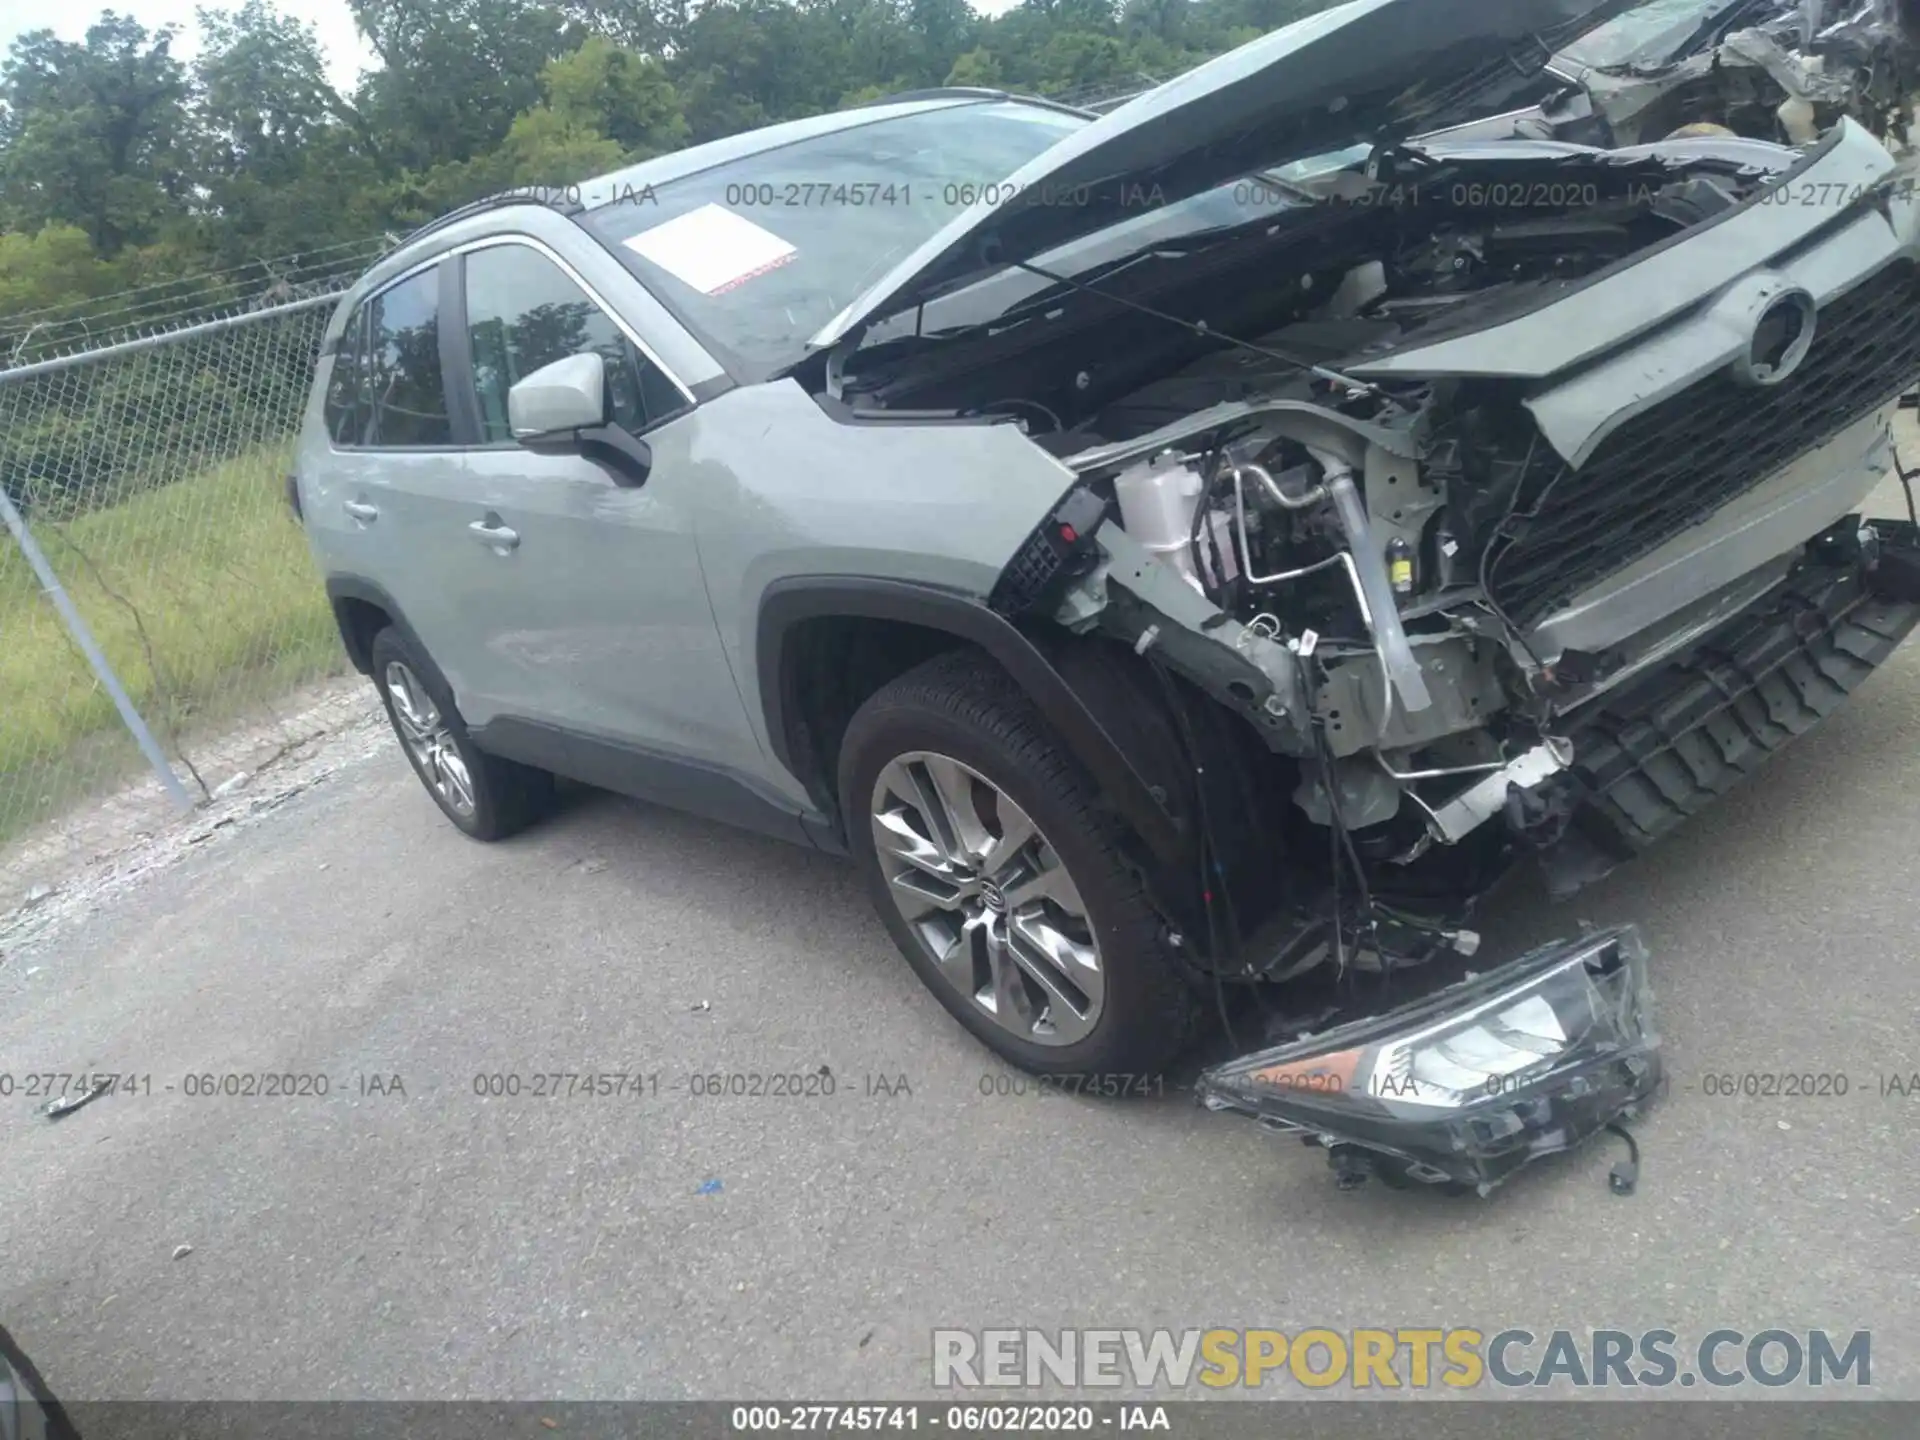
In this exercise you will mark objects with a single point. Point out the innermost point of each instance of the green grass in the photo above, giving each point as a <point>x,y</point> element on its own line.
<point>205,600</point>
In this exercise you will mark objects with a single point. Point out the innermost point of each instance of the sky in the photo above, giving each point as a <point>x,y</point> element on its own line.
<point>346,53</point>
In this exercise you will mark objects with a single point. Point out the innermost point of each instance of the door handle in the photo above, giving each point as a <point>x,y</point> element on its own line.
<point>498,536</point>
<point>360,510</point>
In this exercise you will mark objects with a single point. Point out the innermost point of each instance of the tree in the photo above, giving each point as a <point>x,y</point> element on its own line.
<point>455,73</point>
<point>546,148</point>
<point>277,147</point>
<point>94,135</point>
<point>618,93</point>
<point>647,27</point>
<point>1164,20</point>
<point>979,67</point>
<point>54,266</point>
<point>945,30</point>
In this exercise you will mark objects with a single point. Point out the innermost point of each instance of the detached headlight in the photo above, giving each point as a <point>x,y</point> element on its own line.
<point>1469,1084</point>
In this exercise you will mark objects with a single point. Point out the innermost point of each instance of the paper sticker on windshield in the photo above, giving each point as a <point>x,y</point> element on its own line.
<point>712,249</point>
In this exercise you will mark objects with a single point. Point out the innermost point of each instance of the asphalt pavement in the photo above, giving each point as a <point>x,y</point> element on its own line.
<point>445,1242</point>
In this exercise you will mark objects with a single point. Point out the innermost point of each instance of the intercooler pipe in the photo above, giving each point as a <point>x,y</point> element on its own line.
<point>1389,636</point>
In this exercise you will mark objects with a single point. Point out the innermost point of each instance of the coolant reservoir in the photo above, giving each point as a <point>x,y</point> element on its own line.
<point>1157,497</point>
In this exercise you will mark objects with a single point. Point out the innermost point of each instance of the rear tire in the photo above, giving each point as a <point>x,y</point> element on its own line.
<point>484,796</point>
<point>1045,947</point>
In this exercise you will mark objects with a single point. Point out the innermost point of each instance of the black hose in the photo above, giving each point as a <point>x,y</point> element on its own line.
<point>1208,477</point>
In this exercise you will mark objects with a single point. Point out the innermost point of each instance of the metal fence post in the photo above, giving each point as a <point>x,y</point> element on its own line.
<point>83,637</point>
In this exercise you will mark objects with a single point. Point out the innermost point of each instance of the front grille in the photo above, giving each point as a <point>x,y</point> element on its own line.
<point>1676,464</point>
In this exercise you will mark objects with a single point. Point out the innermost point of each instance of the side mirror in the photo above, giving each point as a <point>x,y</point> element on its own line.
<point>563,409</point>
<point>569,394</point>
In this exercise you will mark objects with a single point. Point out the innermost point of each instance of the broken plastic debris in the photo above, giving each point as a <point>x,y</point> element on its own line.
<point>700,1005</point>
<point>67,1104</point>
<point>230,785</point>
<point>708,1187</point>
<point>180,1252</point>
<point>1625,1174</point>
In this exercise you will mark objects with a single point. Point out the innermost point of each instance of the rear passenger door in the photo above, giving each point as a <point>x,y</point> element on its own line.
<point>588,592</point>
<point>380,499</point>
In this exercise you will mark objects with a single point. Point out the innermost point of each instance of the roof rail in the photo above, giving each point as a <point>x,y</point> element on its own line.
<point>562,199</point>
<point>933,92</point>
<point>967,92</point>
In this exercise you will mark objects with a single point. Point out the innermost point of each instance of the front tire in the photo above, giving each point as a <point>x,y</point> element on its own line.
<point>484,796</point>
<point>1001,878</point>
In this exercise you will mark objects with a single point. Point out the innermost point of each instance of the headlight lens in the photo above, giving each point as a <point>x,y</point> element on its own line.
<point>1469,1083</point>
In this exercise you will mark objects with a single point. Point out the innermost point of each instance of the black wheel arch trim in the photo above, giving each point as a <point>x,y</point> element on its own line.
<point>355,587</point>
<point>786,603</point>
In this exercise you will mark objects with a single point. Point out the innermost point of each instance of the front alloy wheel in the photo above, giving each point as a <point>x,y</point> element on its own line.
<point>1005,882</point>
<point>979,886</point>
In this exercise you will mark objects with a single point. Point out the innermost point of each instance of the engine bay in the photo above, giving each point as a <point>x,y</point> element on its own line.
<point>1342,266</point>
<point>1313,553</point>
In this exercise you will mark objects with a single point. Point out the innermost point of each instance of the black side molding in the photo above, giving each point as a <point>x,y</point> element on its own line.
<point>678,784</point>
<point>788,602</point>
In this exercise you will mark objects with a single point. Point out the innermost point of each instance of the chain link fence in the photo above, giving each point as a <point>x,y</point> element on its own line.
<point>150,475</point>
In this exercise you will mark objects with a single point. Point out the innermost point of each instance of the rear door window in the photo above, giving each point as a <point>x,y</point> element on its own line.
<point>523,312</point>
<point>409,396</point>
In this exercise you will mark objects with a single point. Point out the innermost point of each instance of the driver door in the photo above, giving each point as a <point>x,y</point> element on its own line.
<point>585,588</point>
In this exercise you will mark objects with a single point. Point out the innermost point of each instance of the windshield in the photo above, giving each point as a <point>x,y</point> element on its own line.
<point>1225,207</point>
<point>756,254</point>
<point>1656,33</point>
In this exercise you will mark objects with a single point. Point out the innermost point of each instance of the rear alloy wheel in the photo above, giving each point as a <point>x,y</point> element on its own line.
<point>429,743</point>
<point>485,796</point>
<point>1003,880</point>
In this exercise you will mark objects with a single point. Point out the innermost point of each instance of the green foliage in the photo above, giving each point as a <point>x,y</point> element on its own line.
<point>976,67</point>
<point>93,135</point>
<point>617,95</point>
<point>156,579</point>
<point>120,165</point>
<point>55,265</point>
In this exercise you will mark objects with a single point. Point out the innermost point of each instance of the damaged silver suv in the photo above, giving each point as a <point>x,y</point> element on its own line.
<point>1167,553</point>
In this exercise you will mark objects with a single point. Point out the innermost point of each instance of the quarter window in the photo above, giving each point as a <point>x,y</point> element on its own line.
<point>346,412</point>
<point>523,312</point>
<point>403,362</point>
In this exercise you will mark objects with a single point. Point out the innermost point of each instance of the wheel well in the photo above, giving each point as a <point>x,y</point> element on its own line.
<point>829,666</point>
<point>359,621</point>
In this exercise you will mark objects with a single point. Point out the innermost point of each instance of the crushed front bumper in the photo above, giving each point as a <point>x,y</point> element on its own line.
<point>1462,1088</point>
<point>1662,747</point>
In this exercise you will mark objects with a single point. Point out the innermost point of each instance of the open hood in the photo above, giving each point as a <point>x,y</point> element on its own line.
<point>1373,71</point>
